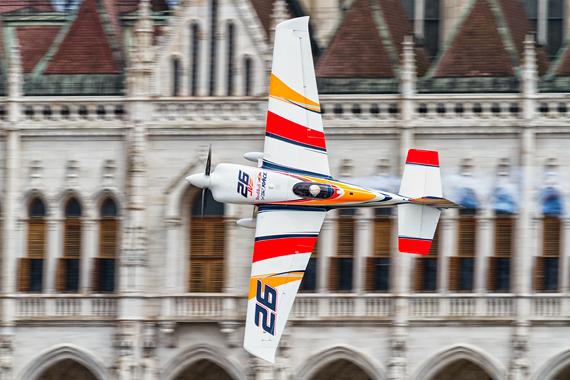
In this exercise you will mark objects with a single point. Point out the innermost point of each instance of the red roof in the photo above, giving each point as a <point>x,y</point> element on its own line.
<point>356,50</point>
<point>399,26</point>
<point>35,41</point>
<point>86,48</point>
<point>14,5</point>
<point>477,49</point>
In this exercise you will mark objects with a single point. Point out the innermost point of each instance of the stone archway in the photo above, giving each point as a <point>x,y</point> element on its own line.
<point>462,369</point>
<point>67,369</point>
<point>341,369</point>
<point>204,370</point>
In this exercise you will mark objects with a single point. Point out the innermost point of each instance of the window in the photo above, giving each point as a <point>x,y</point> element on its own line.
<point>499,265</point>
<point>555,26</point>
<point>31,267</point>
<point>462,266</point>
<point>104,266</point>
<point>68,268</point>
<point>309,282</point>
<point>547,18</point>
<point>425,277</point>
<point>340,275</point>
<point>378,266</point>
<point>213,45</point>
<point>231,58</point>
<point>248,76</point>
<point>546,266</point>
<point>207,246</point>
<point>175,76</point>
<point>431,26</point>
<point>194,57</point>
<point>426,25</point>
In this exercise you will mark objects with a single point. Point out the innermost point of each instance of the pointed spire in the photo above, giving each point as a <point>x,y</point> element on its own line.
<point>530,75</point>
<point>141,52</point>
<point>408,67</point>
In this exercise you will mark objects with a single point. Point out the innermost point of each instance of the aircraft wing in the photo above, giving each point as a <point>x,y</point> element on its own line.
<point>284,239</point>
<point>294,138</point>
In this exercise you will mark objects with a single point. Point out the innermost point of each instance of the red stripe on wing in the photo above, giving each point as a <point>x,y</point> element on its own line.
<point>268,249</point>
<point>422,157</point>
<point>287,129</point>
<point>409,245</point>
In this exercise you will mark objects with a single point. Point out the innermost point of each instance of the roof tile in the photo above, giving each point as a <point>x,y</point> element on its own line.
<point>356,50</point>
<point>477,49</point>
<point>85,49</point>
<point>35,41</point>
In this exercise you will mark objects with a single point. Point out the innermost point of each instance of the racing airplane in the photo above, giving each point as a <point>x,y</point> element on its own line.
<point>292,189</point>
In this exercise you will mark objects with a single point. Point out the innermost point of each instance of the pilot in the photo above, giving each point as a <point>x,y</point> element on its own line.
<point>315,190</point>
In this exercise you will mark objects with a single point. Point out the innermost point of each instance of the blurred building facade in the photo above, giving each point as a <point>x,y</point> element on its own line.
<point>108,273</point>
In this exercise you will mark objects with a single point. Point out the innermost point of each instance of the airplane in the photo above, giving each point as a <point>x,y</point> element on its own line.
<point>292,190</point>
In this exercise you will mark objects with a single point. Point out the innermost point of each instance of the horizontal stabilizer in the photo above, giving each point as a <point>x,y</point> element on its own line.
<point>436,202</point>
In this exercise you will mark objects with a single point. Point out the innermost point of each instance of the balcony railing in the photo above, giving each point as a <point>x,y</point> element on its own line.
<point>29,307</point>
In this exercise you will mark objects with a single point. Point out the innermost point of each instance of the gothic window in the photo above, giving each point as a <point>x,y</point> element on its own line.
<point>499,265</point>
<point>546,266</point>
<point>104,266</point>
<point>31,267</point>
<point>175,76</point>
<point>231,58</point>
<point>194,57</point>
<point>378,265</point>
<point>207,242</point>
<point>248,76</point>
<point>309,282</point>
<point>213,45</point>
<point>68,268</point>
<point>340,275</point>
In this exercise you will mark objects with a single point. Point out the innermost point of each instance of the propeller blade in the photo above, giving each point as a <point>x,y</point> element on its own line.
<point>203,202</point>
<point>209,161</point>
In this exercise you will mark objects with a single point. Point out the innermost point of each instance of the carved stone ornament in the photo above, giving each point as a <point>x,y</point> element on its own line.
<point>228,329</point>
<point>168,334</point>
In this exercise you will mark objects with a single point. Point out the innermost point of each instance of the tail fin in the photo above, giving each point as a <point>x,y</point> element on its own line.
<point>417,220</point>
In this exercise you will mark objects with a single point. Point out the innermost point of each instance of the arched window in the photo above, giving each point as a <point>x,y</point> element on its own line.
<point>499,265</point>
<point>231,58</point>
<point>175,76</point>
<point>207,246</point>
<point>68,269</point>
<point>105,265</point>
<point>248,76</point>
<point>31,267</point>
<point>340,270</point>
<point>213,45</point>
<point>378,265</point>
<point>546,266</point>
<point>194,57</point>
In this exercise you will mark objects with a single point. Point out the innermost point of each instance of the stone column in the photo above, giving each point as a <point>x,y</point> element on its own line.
<point>447,246</point>
<point>53,253</point>
<point>483,248</point>
<point>397,363</point>
<point>326,243</point>
<point>174,256</point>
<point>89,252</point>
<point>6,356</point>
<point>363,236</point>
<point>519,368</point>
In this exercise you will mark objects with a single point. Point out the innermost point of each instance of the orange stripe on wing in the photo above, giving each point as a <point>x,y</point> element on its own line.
<point>280,91</point>
<point>273,280</point>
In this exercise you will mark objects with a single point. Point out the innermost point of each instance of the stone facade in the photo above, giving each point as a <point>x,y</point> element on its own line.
<point>138,148</point>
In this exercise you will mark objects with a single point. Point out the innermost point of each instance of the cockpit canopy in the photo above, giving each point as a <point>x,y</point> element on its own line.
<point>313,190</point>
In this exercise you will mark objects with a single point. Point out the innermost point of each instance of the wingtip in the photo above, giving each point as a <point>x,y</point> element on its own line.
<point>299,23</point>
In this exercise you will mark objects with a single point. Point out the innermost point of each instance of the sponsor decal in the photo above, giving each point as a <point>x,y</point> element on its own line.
<point>261,183</point>
<point>266,307</point>
<point>245,184</point>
